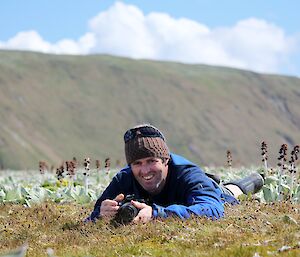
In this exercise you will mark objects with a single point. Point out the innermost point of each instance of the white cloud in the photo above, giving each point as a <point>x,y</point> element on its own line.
<point>31,40</point>
<point>125,30</point>
<point>259,45</point>
<point>122,30</point>
<point>27,40</point>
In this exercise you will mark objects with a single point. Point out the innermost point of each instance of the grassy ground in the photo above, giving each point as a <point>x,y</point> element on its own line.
<point>250,229</point>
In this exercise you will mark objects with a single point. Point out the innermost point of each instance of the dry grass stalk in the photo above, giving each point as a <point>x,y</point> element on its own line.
<point>43,167</point>
<point>293,168</point>
<point>60,172</point>
<point>75,161</point>
<point>264,154</point>
<point>98,165</point>
<point>281,168</point>
<point>86,173</point>
<point>71,171</point>
<point>107,165</point>
<point>229,160</point>
<point>86,165</point>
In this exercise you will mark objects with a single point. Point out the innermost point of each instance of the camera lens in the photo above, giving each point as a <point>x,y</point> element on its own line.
<point>126,213</point>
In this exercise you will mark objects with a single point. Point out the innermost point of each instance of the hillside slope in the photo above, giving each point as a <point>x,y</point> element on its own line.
<point>55,107</point>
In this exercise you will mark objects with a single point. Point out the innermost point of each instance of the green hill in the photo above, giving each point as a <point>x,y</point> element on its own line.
<point>54,107</point>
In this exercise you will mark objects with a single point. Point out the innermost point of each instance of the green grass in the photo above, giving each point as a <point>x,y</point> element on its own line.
<point>249,228</point>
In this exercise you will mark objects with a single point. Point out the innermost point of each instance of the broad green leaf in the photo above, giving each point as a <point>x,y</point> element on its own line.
<point>14,195</point>
<point>2,194</point>
<point>271,180</point>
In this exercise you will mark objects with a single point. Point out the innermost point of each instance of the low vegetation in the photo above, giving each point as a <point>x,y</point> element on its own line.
<point>42,213</point>
<point>250,229</point>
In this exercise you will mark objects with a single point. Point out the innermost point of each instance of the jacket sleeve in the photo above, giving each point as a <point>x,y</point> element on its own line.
<point>202,198</point>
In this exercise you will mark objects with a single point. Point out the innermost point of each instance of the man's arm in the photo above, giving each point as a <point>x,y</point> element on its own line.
<point>203,208</point>
<point>203,197</point>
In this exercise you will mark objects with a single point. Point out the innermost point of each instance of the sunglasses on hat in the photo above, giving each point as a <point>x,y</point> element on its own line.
<point>146,131</point>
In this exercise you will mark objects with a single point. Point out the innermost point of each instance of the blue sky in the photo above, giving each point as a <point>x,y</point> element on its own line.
<point>262,36</point>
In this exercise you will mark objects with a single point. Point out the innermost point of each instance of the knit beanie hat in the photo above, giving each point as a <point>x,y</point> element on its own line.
<point>144,141</point>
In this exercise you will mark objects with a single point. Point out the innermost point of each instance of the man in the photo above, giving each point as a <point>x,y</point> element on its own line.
<point>172,185</point>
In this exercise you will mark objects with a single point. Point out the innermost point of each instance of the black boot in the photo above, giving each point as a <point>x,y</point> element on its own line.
<point>216,178</point>
<point>251,184</point>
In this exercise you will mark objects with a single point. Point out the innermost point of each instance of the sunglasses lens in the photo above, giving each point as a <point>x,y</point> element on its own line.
<point>128,135</point>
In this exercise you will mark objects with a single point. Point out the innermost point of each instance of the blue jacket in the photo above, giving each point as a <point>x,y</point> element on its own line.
<point>187,191</point>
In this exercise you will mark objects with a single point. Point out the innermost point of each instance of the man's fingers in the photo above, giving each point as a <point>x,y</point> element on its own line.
<point>111,207</point>
<point>110,203</point>
<point>108,215</point>
<point>109,212</point>
<point>119,198</point>
<point>145,213</point>
<point>137,219</point>
<point>138,204</point>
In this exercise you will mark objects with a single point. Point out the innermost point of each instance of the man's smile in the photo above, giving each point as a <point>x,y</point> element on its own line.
<point>148,177</point>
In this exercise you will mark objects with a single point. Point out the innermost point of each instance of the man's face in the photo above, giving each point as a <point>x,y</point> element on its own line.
<point>151,173</point>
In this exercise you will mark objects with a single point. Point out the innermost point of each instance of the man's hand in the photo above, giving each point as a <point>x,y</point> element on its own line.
<point>109,208</point>
<point>145,213</point>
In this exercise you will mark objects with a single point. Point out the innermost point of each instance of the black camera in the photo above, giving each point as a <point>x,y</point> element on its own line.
<point>127,211</point>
